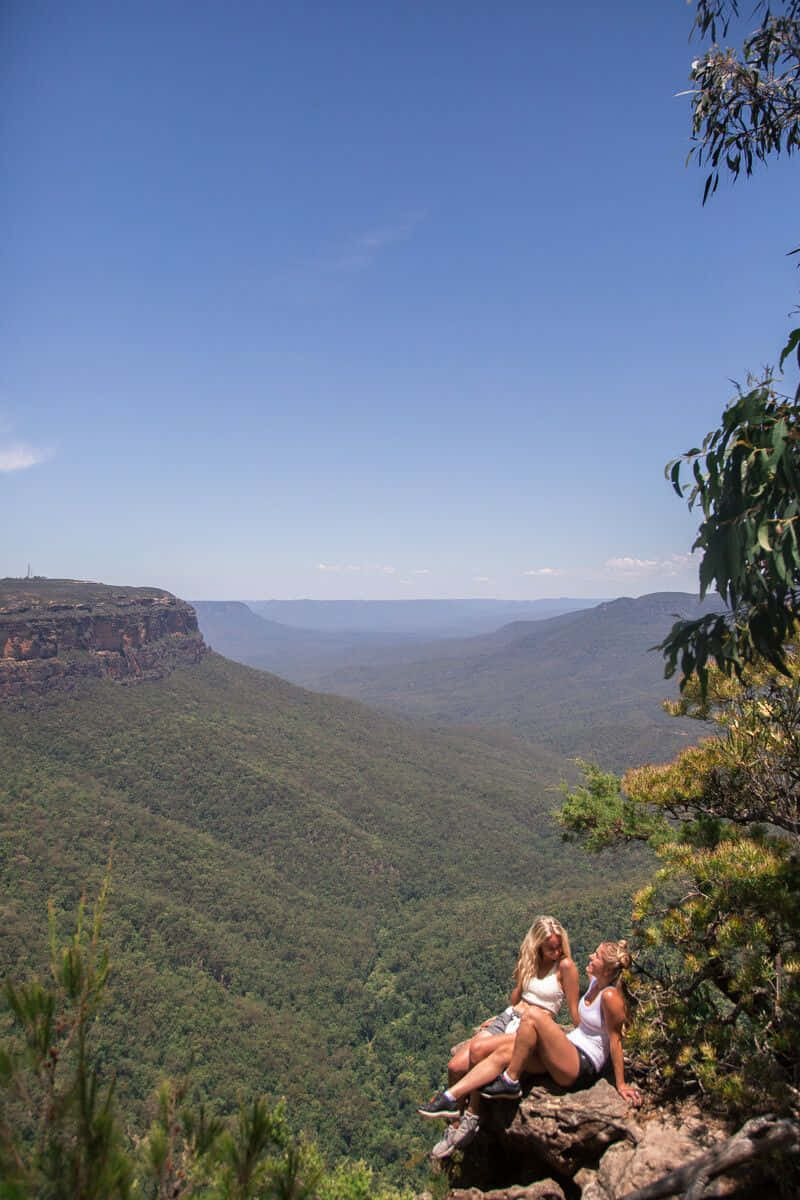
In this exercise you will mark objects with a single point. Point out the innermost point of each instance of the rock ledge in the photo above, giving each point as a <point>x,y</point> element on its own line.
<point>53,633</point>
<point>558,1145</point>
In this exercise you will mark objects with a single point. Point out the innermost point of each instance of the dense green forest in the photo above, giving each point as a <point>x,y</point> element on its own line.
<point>309,899</point>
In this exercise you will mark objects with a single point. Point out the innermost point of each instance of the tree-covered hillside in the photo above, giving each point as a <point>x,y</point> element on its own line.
<point>309,898</point>
<point>299,655</point>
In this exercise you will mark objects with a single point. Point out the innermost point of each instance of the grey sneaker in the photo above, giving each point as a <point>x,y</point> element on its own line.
<point>459,1134</point>
<point>440,1106</point>
<point>502,1088</point>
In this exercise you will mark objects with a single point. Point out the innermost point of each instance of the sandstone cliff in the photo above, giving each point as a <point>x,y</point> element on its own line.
<point>55,632</point>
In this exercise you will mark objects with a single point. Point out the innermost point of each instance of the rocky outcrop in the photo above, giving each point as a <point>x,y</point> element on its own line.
<point>665,1142</point>
<point>53,633</point>
<point>725,1169</point>
<point>544,1189</point>
<point>589,1145</point>
<point>567,1130</point>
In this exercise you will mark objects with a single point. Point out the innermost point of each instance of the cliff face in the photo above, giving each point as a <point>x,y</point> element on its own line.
<point>55,632</point>
<point>591,1145</point>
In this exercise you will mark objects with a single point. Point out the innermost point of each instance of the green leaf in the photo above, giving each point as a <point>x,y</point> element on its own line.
<point>763,537</point>
<point>792,344</point>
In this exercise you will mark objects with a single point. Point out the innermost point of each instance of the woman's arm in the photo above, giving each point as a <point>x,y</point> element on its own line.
<point>614,1017</point>
<point>570,985</point>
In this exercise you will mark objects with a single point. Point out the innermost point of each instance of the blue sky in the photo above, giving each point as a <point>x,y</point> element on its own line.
<point>367,299</point>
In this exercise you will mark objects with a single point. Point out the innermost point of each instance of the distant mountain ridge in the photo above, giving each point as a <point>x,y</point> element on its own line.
<point>420,618</point>
<point>309,656</point>
<point>300,655</point>
<point>584,682</point>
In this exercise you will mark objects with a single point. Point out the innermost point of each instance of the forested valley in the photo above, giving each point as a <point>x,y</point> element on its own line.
<point>292,879</point>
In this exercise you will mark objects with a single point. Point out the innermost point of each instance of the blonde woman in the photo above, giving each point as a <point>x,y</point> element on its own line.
<point>544,977</point>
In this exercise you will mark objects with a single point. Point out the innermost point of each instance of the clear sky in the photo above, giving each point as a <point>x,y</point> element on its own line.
<point>365,299</point>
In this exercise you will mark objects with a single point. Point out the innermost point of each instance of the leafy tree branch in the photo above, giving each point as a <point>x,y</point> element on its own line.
<point>745,478</point>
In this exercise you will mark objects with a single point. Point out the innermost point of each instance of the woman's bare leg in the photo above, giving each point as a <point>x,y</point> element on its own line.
<point>482,1047</point>
<point>466,1054</point>
<point>471,1050</point>
<point>459,1063</point>
<point>486,1069</point>
<point>540,1045</point>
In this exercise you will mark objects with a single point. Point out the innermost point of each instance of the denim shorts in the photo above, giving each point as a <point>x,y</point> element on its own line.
<point>500,1023</point>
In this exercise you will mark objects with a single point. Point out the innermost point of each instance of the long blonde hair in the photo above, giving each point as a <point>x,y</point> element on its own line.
<point>530,952</point>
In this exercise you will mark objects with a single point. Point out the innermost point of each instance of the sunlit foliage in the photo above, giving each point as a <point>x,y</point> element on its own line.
<point>718,927</point>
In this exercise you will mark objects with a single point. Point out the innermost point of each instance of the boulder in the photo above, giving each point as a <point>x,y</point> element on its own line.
<point>551,1132</point>
<point>568,1130</point>
<point>678,1157</point>
<point>625,1167</point>
<point>544,1189</point>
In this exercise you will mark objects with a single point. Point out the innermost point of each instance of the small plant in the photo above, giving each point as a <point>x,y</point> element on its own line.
<point>59,1136</point>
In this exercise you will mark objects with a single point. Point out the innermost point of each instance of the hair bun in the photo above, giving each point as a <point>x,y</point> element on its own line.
<point>619,954</point>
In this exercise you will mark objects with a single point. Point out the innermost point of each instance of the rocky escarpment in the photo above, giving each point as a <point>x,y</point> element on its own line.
<point>55,632</point>
<point>591,1145</point>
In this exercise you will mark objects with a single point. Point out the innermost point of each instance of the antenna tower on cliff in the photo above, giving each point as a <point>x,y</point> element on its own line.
<point>29,572</point>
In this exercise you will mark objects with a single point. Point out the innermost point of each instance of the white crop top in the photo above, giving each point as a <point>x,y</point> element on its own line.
<point>544,993</point>
<point>591,1036</point>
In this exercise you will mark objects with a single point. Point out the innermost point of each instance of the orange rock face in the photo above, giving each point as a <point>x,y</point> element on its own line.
<point>48,644</point>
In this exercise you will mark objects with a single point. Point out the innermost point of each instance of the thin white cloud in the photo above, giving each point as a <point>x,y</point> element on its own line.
<point>627,565</point>
<point>421,571</point>
<point>361,250</point>
<point>543,571</point>
<point>481,579</point>
<point>309,277</point>
<point>356,568</point>
<point>17,456</point>
<point>376,239</point>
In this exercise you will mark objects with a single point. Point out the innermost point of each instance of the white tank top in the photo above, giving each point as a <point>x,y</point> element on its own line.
<point>544,993</point>
<point>591,1036</point>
